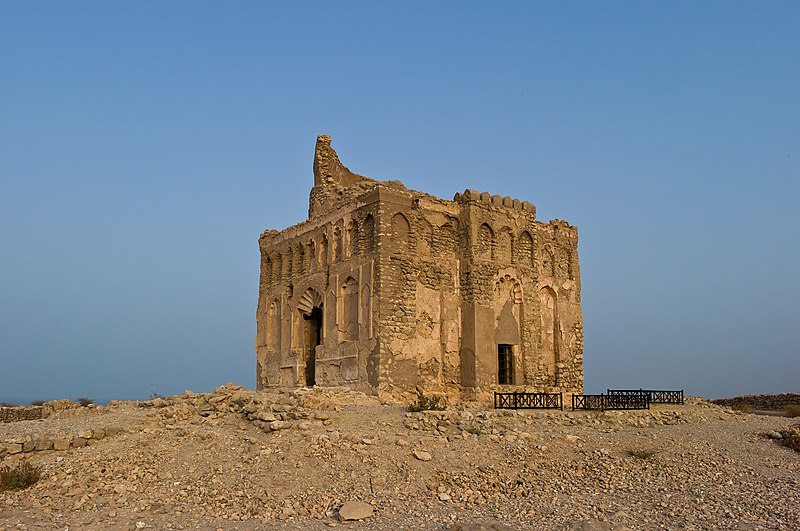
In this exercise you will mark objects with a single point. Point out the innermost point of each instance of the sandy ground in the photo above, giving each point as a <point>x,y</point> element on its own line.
<point>237,459</point>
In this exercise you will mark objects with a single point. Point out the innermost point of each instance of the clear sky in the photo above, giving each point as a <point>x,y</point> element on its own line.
<point>144,146</point>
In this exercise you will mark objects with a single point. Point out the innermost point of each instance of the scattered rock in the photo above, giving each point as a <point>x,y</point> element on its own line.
<point>422,455</point>
<point>355,510</point>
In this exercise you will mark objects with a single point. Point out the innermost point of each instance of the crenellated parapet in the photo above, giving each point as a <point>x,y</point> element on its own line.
<point>494,200</point>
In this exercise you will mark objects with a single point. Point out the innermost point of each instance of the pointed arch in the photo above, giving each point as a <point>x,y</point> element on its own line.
<point>425,237</point>
<point>401,233</point>
<point>486,241</point>
<point>368,247</point>
<point>447,241</point>
<point>523,254</point>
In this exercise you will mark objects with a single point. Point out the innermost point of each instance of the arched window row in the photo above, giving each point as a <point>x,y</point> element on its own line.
<point>421,236</point>
<point>333,244</point>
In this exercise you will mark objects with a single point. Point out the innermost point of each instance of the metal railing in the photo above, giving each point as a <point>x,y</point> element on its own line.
<point>611,401</point>
<point>655,396</point>
<point>517,400</point>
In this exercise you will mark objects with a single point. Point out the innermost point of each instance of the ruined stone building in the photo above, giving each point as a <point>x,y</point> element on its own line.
<point>386,289</point>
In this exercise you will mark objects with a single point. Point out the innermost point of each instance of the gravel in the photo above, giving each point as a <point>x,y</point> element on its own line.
<point>218,460</point>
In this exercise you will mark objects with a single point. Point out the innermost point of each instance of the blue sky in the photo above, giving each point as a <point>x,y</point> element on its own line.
<point>144,146</point>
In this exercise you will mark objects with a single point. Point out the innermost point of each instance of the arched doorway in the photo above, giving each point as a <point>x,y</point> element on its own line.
<point>310,308</point>
<point>312,338</point>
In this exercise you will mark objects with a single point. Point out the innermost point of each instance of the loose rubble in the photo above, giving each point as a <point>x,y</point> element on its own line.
<point>327,457</point>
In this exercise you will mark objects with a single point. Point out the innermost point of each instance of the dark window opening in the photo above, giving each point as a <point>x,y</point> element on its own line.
<point>505,365</point>
<point>313,338</point>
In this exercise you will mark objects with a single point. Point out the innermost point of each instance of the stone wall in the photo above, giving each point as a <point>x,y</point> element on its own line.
<point>761,402</point>
<point>17,413</point>
<point>62,442</point>
<point>456,297</point>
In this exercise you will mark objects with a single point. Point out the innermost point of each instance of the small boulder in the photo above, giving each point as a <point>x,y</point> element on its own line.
<point>354,510</point>
<point>422,455</point>
<point>276,425</point>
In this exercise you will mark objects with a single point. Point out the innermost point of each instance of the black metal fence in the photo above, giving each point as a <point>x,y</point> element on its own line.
<point>588,401</point>
<point>611,401</point>
<point>528,400</point>
<point>653,395</point>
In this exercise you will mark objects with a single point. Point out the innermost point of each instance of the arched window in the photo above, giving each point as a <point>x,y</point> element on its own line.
<point>485,241</point>
<point>401,231</point>
<point>524,250</point>
<point>447,240</point>
<point>369,235</point>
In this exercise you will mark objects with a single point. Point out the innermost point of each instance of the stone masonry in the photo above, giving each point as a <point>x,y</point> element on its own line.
<point>385,290</point>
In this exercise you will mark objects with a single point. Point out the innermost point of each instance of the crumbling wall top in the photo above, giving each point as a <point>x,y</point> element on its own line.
<point>328,169</point>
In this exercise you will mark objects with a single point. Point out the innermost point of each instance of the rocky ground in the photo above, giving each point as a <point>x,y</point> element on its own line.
<point>310,459</point>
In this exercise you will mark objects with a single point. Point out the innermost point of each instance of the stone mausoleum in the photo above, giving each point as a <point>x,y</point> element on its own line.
<point>386,290</point>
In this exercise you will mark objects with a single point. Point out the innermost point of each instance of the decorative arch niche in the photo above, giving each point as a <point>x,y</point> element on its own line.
<point>274,326</point>
<point>549,320</point>
<point>401,232</point>
<point>425,238</point>
<point>369,235</point>
<point>348,301</point>
<point>486,241</point>
<point>524,250</point>
<point>507,303</point>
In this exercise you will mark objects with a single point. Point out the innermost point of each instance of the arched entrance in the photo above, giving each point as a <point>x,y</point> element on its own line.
<point>310,307</point>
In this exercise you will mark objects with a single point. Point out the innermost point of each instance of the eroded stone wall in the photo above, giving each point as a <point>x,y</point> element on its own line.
<point>17,413</point>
